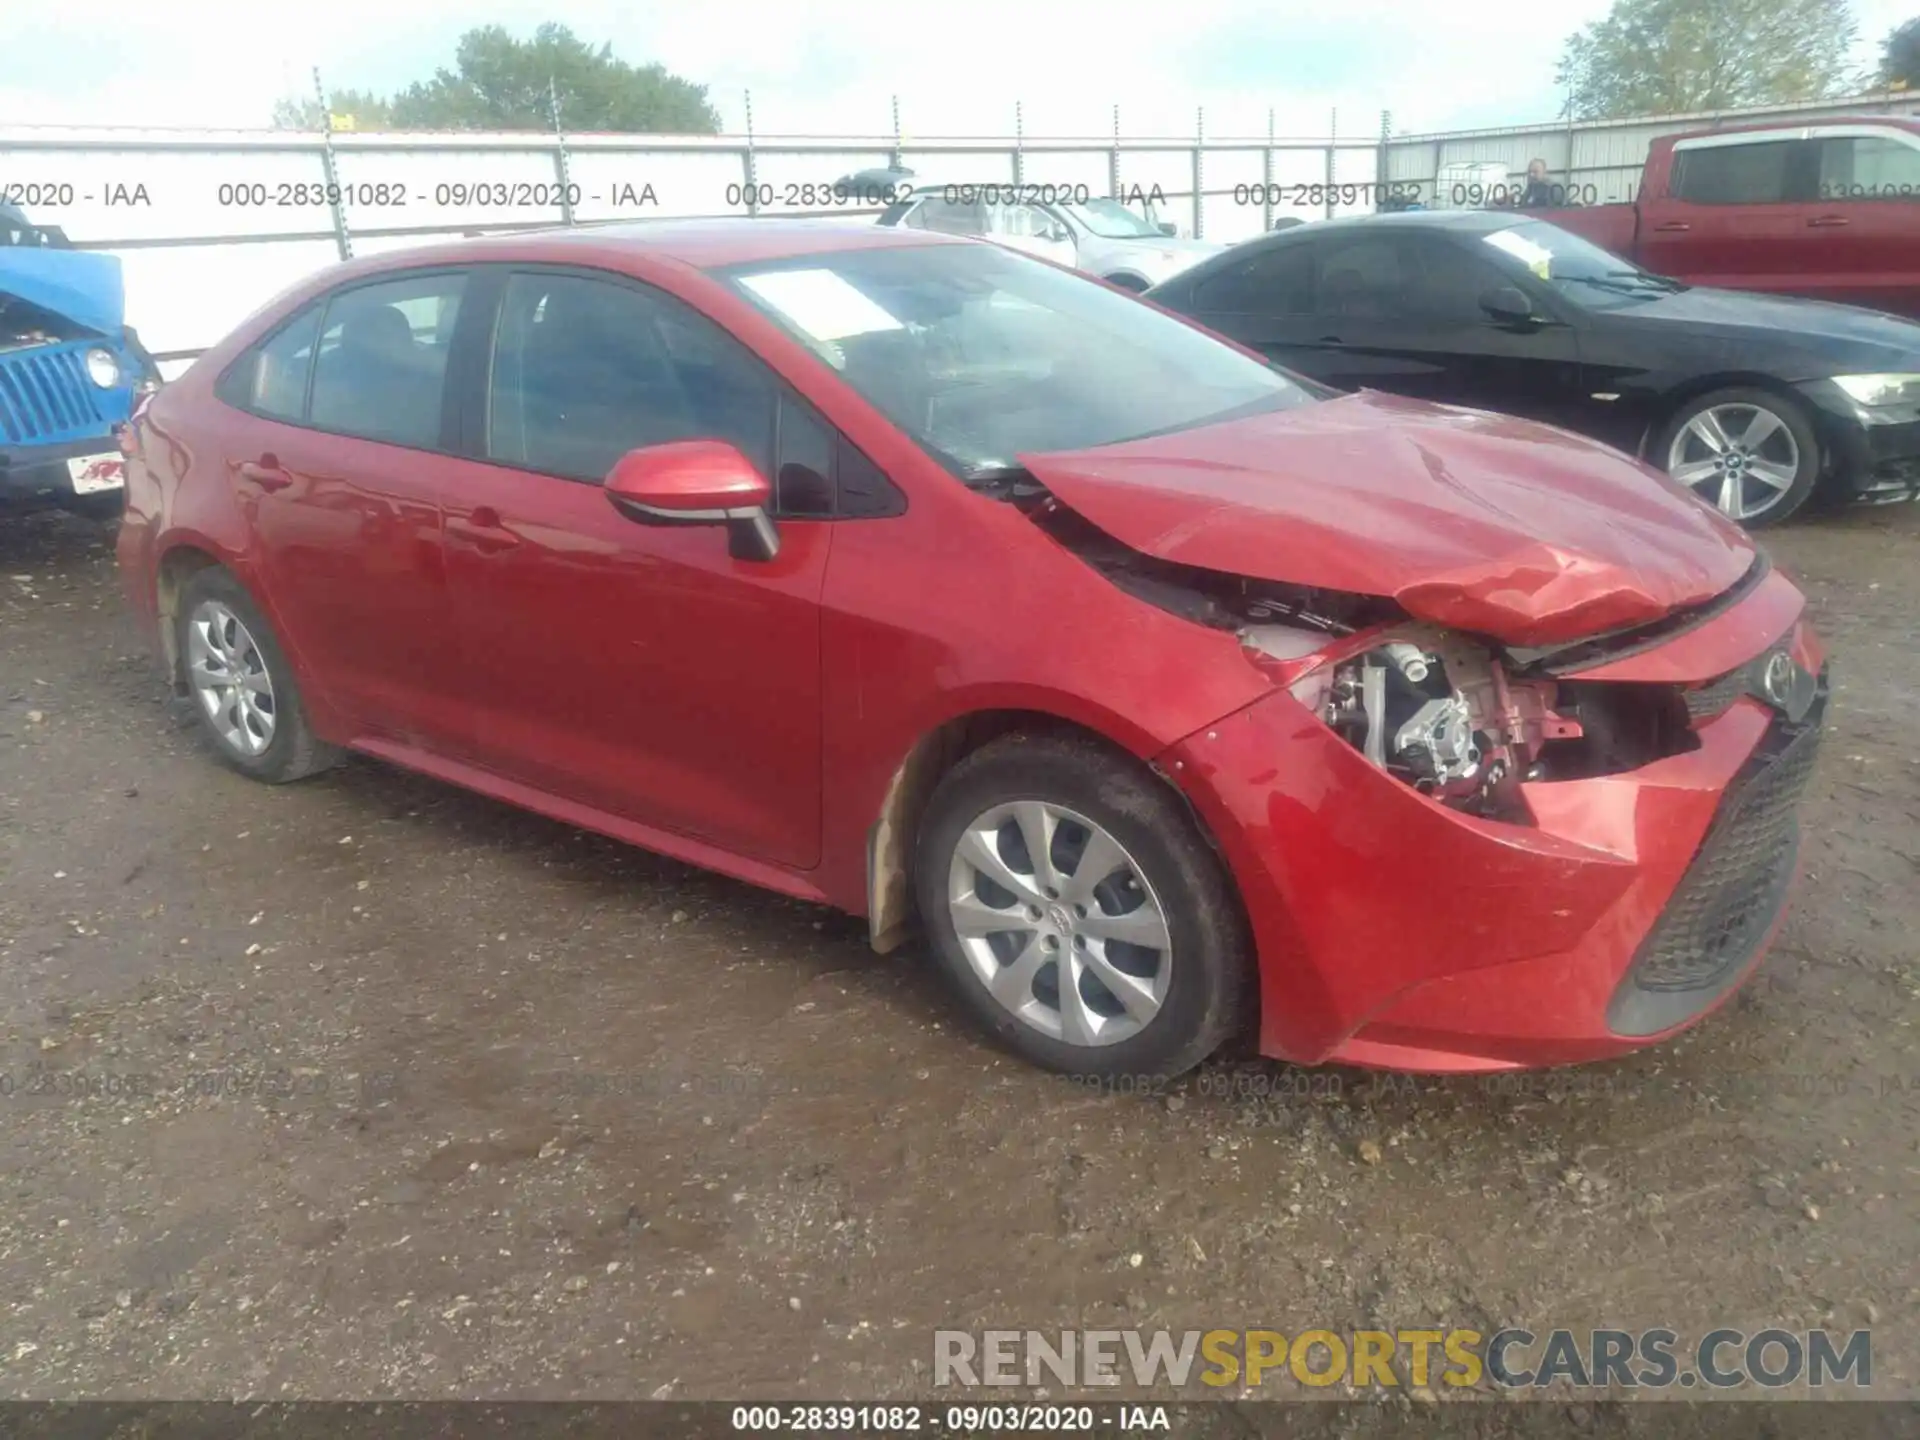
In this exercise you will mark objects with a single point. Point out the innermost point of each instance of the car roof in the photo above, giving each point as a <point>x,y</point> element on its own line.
<point>703,244</point>
<point>1471,222</point>
<point>1812,128</point>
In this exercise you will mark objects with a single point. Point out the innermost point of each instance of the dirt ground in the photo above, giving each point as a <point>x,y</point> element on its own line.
<point>369,1087</point>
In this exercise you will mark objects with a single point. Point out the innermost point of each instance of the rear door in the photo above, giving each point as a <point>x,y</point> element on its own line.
<point>1031,230</point>
<point>641,670</point>
<point>1730,216</point>
<point>1265,300</point>
<point>1867,215</point>
<point>956,216</point>
<point>337,455</point>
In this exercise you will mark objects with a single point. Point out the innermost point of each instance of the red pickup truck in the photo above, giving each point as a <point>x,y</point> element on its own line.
<point>1829,210</point>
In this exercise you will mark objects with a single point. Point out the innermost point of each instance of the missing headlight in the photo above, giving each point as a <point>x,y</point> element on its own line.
<point>1441,714</point>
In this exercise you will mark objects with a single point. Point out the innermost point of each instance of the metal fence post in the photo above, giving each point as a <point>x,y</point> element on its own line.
<point>562,170</point>
<point>1266,177</point>
<point>893,155</point>
<point>1199,149</point>
<point>1019,150</point>
<point>1333,149</point>
<point>336,197</point>
<point>748,167</point>
<point>1113,158</point>
<point>1382,163</point>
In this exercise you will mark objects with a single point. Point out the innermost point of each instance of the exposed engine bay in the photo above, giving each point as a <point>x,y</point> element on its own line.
<point>23,324</point>
<point>1442,714</point>
<point>1447,713</point>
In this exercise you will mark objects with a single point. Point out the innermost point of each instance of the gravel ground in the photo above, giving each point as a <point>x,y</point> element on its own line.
<point>369,1087</point>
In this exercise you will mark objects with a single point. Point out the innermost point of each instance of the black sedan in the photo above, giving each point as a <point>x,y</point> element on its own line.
<point>1758,403</point>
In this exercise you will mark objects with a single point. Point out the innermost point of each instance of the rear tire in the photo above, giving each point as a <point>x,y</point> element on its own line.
<point>1751,454</point>
<point>240,686</point>
<point>1124,858</point>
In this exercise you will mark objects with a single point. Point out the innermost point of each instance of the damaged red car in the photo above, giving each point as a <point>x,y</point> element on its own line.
<point>1163,693</point>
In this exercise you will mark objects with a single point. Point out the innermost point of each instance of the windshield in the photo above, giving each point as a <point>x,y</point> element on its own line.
<point>981,354</point>
<point>1111,220</point>
<point>1581,271</point>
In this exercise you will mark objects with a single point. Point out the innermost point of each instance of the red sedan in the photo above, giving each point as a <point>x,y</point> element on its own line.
<point>1164,693</point>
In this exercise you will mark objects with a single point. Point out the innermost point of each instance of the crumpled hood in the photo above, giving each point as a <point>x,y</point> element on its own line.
<point>1525,534</point>
<point>81,286</point>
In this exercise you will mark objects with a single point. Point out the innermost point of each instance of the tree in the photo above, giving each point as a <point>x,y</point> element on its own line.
<point>500,83</point>
<point>351,109</point>
<point>1657,57</point>
<point>1900,67</point>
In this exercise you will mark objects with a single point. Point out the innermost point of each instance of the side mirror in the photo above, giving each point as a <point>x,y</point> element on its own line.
<point>697,482</point>
<point>1167,227</point>
<point>1059,233</point>
<point>1508,305</point>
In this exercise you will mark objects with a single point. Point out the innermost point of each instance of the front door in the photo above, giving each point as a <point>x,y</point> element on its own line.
<point>1729,217</point>
<point>637,669</point>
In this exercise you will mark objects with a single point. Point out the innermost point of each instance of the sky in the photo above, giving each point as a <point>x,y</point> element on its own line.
<point>833,67</point>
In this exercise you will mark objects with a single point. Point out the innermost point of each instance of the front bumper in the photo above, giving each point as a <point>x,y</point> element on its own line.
<point>1394,932</point>
<point>39,472</point>
<point>1876,455</point>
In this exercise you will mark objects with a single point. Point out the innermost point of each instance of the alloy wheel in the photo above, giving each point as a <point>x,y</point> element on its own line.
<point>1742,458</point>
<point>1059,923</point>
<point>229,678</point>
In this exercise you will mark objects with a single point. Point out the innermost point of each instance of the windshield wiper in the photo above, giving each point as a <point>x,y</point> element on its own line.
<point>1628,282</point>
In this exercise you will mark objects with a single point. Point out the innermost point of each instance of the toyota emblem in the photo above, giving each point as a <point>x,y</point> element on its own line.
<point>1787,686</point>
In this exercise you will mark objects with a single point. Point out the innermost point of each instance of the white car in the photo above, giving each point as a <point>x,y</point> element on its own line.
<point>1061,223</point>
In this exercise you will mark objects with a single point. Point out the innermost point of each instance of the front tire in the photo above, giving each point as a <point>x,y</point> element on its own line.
<point>1131,283</point>
<point>1079,913</point>
<point>1751,454</point>
<point>240,685</point>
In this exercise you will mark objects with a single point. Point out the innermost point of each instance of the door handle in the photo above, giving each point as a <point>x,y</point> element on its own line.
<point>266,473</point>
<point>483,530</point>
<point>1827,220</point>
<point>1330,340</point>
<point>1672,226</point>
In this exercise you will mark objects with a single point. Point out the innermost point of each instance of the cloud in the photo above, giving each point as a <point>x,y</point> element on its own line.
<point>834,66</point>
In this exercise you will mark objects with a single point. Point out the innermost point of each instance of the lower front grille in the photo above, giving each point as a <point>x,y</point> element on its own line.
<point>45,396</point>
<point>1892,481</point>
<point>1706,701</point>
<point>1731,895</point>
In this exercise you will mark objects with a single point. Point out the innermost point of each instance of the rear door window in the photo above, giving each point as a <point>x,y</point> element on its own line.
<point>948,217</point>
<point>1362,279</point>
<point>1869,167</point>
<point>381,368</point>
<point>271,378</point>
<point>1275,281</point>
<point>1756,174</point>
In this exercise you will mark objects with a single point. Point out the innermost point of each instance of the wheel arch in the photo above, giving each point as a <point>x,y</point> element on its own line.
<point>1671,402</point>
<point>172,575</point>
<point>892,838</point>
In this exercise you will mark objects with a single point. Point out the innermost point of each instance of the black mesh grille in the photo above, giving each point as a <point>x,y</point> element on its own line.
<point>1708,700</point>
<point>1731,894</point>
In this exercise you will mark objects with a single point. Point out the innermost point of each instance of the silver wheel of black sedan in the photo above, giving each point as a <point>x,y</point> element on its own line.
<point>1741,457</point>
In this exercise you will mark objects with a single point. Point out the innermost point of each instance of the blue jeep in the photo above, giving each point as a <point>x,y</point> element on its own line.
<point>71,370</point>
